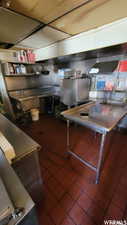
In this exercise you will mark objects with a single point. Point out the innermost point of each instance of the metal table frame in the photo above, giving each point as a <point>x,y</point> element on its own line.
<point>101,154</point>
<point>97,128</point>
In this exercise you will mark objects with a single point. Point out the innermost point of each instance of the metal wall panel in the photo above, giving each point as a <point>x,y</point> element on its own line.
<point>18,83</point>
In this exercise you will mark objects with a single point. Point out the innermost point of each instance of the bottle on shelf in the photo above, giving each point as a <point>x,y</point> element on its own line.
<point>30,56</point>
<point>23,69</point>
<point>27,56</point>
<point>11,68</point>
<point>18,69</point>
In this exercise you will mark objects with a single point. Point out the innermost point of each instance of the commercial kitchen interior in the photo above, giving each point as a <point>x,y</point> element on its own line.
<point>63,106</point>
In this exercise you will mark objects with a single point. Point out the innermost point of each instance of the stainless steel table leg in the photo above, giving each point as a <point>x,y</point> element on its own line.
<point>67,155</point>
<point>53,101</point>
<point>100,161</point>
<point>68,135</point>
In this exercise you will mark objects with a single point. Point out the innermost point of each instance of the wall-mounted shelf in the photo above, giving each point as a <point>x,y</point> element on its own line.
<point>22,75</point>
<point>14,77</point>
<point>109,90</point>
<point>19,62</point>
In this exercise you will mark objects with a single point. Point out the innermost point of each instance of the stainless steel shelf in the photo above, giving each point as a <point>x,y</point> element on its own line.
<point>22,75</point>
<point>109,90</point>
<point>19,62</point>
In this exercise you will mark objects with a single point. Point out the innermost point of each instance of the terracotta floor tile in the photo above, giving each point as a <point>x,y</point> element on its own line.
<point>102,200</point>
<point>75,191</point>
<point>44,219</point>
<point>46,163</point>
<point>96,213</point>
<point>123,181</point>
<point>125,215</point>
<point>114,213</point>
<point>49,201</point>
<point>56,157</point>
<point>46,175</point>
<point>77,214</point>
<point>94,192</point>
<point>59,192</point>
<point>120,198</point>
<point>58,215</point>
<point>68,221</point>
<point>84,201</point>
<point>67,183</point>
<point>87,221</point>
<point>66,177</point>
<point>51,183</point>
<point>87,185</point>
<point>67,202</point>
<point>55,188</point>
<point>51,165</point>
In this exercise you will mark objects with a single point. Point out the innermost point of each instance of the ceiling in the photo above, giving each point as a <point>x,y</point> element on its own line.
<point>43,38</point>
<point>45,11</point>
<point>59,19</point>
<point>14,26</point>
<point>95,14</point>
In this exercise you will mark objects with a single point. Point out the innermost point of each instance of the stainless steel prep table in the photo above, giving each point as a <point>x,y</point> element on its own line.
<point>26,163</point>
<point>102,118</point>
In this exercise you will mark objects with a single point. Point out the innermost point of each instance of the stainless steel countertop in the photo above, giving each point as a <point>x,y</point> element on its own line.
<point>101,117</point>
<point>22,143</point>
<point>15,189</point>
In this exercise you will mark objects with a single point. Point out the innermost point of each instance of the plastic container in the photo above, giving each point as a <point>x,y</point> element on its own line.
<point>34,114</point>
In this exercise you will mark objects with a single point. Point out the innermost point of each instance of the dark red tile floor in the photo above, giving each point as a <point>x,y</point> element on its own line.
<point>70,196</point>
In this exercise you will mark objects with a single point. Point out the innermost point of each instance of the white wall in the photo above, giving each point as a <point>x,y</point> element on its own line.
<point>107,35</point>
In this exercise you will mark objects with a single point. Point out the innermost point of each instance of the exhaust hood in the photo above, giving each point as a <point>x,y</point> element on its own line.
<point>15,27</point>
<point>104,67</point>
<point>109,67</point>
